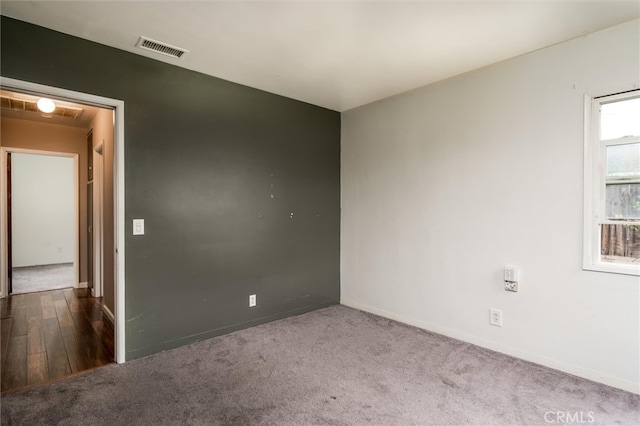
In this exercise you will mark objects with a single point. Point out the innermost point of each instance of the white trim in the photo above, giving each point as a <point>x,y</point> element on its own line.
<point>594,175</point>
<point>4,243</point>
<point>118,105</point>
<point>589,245</point>
<point>98,242</point>
<point>626,140</point>
<point>108,313</point>
<point>118,176</point>
<point>4,227</point>
<point>498,347</point>
<point>83,284</point>
<point>620,88</point>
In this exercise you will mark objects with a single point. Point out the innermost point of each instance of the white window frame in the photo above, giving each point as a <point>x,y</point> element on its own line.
<point>594,182</point>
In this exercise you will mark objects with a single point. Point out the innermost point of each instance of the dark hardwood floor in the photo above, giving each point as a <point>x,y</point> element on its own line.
<point>52,334</point>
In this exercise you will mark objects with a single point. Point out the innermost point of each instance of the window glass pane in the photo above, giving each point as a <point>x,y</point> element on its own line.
<point>620,243</point>
<point>622,201</point>
<point>623,161</point>
<point>620,119</point>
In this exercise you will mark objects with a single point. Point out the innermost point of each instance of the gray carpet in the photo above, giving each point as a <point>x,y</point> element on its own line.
<point>28,279</point>
<point>335,366</point>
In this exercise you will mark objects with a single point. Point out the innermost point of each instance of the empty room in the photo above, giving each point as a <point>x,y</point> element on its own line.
<point>308,213</point>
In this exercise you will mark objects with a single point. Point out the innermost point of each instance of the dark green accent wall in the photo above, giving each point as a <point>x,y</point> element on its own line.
<point>239,189</point>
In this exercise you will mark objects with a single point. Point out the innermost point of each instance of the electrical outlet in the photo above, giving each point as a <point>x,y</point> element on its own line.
<point>511,286</point>
<point>495,317</point>
<point>252,300</point>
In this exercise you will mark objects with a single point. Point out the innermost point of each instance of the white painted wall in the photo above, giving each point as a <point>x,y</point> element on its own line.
<point>445,185</point>
<point>43,209</point>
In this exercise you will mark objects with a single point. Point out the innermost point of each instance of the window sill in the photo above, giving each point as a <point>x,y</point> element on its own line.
<point>614,268</point>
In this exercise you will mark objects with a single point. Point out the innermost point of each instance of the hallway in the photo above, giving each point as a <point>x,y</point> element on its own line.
<point>52,334</point>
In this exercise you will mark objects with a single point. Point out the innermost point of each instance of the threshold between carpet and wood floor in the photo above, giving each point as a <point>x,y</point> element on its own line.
<point>336,366</point>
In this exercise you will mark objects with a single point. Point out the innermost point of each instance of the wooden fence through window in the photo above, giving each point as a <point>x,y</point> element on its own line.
<point>620,240</point>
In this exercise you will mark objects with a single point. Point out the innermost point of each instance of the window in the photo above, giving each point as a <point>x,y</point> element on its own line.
<point>612,183</point>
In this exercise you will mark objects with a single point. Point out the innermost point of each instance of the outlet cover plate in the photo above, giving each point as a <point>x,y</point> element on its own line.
<point>495,317</point>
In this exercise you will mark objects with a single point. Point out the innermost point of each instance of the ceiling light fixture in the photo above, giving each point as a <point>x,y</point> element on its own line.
<point>46,105</point>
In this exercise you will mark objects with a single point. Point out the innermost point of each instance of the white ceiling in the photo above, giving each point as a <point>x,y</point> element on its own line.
<point>336,54</point>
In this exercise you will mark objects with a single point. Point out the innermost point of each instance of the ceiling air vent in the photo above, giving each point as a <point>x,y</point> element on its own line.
<point>160,47</point>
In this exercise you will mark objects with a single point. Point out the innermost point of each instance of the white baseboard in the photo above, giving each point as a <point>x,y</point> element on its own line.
<point>82,285</point>
<point>586,373</point>
<point>109,314</point>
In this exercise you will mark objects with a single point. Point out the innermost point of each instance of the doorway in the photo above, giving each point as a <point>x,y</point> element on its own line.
<point>117,186</point>
<point>42,229</point>
<point>52,325</point>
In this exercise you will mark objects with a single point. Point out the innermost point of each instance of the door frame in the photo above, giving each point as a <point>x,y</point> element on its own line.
<point>98,238</point>
<point>4,152</point>
<point>119,226</point>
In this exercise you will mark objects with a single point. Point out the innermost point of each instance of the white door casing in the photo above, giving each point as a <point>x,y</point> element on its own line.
<point>118,106</point>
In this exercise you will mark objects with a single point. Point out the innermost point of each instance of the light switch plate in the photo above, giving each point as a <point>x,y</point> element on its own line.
<point>138,226</point>
<point>511,274</point>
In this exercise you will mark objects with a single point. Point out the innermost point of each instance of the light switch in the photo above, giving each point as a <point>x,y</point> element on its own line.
<point>511,274</point>
<point>511,278</point>
<point>138,226</point>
